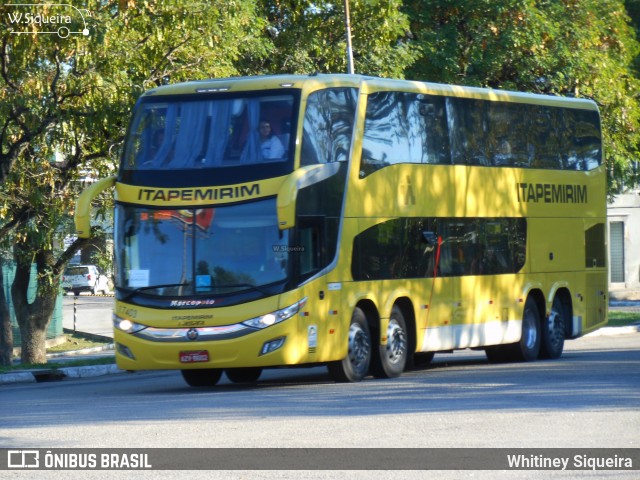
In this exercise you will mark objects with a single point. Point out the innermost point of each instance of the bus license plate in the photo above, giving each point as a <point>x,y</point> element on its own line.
<point>194,356</point>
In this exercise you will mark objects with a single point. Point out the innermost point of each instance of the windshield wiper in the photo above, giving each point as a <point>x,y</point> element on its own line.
<point>151,287</point>
<point>243,285</point>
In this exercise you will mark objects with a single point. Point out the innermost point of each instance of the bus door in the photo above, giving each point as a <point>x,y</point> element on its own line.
<point>319,320</point>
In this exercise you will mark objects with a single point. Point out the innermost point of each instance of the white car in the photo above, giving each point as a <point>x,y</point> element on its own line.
<point>84,278</point>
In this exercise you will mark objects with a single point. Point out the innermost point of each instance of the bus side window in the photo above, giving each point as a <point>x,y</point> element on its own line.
<point>585,139</point>
<point>434,130</point>
<point>508,142</point>
<point>384,140</point>
<point>403,127</point>
<point>468,131</point>
<point>328,126</point>
<point>546,132</point>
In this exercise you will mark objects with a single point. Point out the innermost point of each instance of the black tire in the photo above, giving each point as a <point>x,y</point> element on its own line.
<point>528,348</point>
<point>390,359</point>
<point>553,331</point>
<point>206,377</point>
<point>497,353</point>
<point>243,375</point>
<point>76,293</point>
<point>355,366</point>
<point>420,360</point>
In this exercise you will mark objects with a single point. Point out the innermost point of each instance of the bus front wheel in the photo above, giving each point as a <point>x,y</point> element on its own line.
<point>206,377</point>
<point>243,375</point>
<point>355,366</point>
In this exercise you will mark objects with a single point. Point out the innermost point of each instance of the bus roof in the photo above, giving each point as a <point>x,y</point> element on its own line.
<point>367,85</point>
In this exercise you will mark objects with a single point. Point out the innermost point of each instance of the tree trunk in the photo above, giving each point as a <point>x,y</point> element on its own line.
<point>6,333</point>
<point>33,318</point>
<point>34,341</point>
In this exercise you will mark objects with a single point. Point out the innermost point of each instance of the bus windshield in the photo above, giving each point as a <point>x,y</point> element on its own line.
<point>209,251</point>
<point>189,132</point>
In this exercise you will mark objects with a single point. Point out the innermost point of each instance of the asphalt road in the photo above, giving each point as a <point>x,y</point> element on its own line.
<point>588,398</point>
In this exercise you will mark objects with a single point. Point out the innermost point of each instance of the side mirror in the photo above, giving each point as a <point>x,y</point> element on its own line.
<point>82,217</point>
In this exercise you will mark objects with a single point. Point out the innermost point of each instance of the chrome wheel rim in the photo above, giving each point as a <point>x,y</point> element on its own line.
<point>530,332</point>
<point>359,347</point>
<point>555,328</point>
<point>396,342</point>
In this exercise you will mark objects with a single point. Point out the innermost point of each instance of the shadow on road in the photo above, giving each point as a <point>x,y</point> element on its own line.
<point>580,380</point>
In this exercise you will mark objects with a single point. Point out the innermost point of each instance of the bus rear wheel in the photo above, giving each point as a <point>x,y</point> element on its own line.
<point>528,348</point>
<point>355,366</point>
<point>206,377</point>
<point>553,329</point>
<point>243,375</point>
<point>391,358</point>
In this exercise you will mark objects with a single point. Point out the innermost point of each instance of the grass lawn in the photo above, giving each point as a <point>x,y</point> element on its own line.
<point>75,342</point>
<point>72,342</point>
<point>622,319</point>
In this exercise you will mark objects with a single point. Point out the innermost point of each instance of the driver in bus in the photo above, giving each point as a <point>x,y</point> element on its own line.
<point>270,146</point>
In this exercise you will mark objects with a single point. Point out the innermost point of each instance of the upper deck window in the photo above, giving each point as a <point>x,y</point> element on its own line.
<point>403,127</point>
<point>193,132</point>
<point>328,126</point>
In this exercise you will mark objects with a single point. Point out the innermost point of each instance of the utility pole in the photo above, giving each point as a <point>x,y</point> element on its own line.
<point>350,69</point>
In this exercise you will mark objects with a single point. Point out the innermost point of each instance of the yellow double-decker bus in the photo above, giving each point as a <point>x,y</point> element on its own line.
<point>355,222</point>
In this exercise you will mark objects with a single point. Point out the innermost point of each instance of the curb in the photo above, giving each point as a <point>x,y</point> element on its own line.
<point>614,331</point>
<point>91,371</point>
<point>19,377</point>
<point>50,374</point>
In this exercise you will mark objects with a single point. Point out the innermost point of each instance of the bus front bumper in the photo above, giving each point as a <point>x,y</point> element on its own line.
<point>276,345</point>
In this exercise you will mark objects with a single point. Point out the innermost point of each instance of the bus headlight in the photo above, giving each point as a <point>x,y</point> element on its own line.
<point>126,325</point>
<point>264,321</point>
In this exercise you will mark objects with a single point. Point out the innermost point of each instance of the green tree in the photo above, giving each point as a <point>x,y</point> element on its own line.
<point>633,9</point>
<point>582,48</point>
<point>6,333</point>
<point>64,105</point>
<point>310,37</point>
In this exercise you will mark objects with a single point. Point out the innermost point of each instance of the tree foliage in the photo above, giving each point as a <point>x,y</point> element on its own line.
<point>582,48</point>
<point>310,36</point>
<point>64,107</point>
